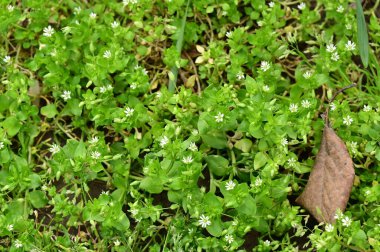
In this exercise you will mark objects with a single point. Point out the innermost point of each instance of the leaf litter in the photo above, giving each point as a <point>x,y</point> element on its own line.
<point>329,186</point>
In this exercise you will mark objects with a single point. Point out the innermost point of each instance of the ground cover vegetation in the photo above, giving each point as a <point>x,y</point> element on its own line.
<point>187,125</point>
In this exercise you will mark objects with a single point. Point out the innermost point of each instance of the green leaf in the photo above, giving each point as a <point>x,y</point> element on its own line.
<point>4,156</point>
<point>244,145</point>
<point>256,131</point>
<point>215,229</point>
<point>362,34</point>
<point>215,139</point>
<point>49,111</point>
<point>360,239</point>
<point>80,151</point>
<point>218,165</point>
<point>260,160</point>
<point>35,181</point>
<point>260,225</point>
<point>248,207</point>
<point>72,107</point>
<point>152,185</point>
<point>12,125</point>
<point>38,199</point>
<point>5,102</point>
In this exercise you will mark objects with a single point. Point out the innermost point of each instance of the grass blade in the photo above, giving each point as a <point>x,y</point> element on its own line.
<point>174,71</point>
<point>362,34</point>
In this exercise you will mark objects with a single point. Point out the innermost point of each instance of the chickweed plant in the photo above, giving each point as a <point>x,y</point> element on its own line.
<point>97,153</point>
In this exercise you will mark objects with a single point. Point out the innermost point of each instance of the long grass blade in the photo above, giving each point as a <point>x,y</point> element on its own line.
<point>173,75</point>
<point>362,34</point>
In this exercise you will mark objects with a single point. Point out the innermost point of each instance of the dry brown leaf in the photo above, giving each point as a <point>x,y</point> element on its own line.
<point>331,179</point>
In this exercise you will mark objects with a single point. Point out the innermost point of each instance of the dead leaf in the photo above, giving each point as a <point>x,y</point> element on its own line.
<point>190,82</point>
<point>331,179</point>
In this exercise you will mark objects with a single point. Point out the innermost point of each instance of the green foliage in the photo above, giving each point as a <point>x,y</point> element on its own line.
<point>182,125</point>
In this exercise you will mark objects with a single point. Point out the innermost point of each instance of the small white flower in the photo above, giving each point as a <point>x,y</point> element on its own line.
<point>367,192</point>
<point>94,140</point>
<point>301,6</point>
<point>305,103</point>
<point>335,56</point>
<point>266,88</point>
<point>109,87</point>
<point>229,34</point>
<point>133,85</point>
<point>10,227</point>
<point>367,108</point>
<point>230,185</point>
<point>134,212</point>
<point>103,89</point>
<point>187,160</point>
<point>10,8</point>
<point>350,46</point>
<point>347,120</point>
<point>66,95</point>
<point>105,193</point>
<point>7,59</point>
<point>346,221</point>
<point>66,30</point>
<point>267,243</point>
<point>129,112</point>
<point>240,76</point>
<point>338,215</point>
<point>1,145</point>
<point>330,48</point>
<point>48,31</point>
<point>158,95</point>
<point>145,72</point>
<point>164,141</point>
<point>271,4</point>
<point>340,9</point>
<point>126,2</point>
<point>258,182</point>
<point>219,117</point>
<point>117,243</point>
<point>329,228</point>
<point>307,75</point>
<point>348,26</point>
<point>264,66</point>
<point>354,144</point>
<point>53,52</point>
<point>229,238</point>
<point>77,10</point>
<point>260,23</point>
<point>44,188</point>
<point>293,108</point>
<point>353,147</point>
<point>292,162</point>
<point>193,147</point>
<point>95,154</point>
<point>332,106</point>
<point>115,24</point>
<point>284,142</point>
<point>107,54</point>
<point>18,244</point>
<point>92,15</point>
<point>54,149</point>
<point>204,221</point>
<point>235,223</point>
